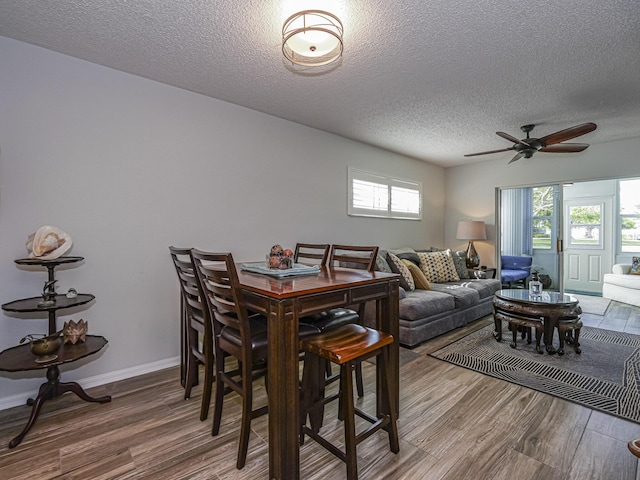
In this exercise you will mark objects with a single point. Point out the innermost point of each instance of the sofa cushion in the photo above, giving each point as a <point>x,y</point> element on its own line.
<point>463,296</point>
<point>425,303</point>
<point>438,267</point>
<point>418,277</point>
<point>460,262</point>
<point>406,279</point>
<point>485,287</point>
<point>627,281</point>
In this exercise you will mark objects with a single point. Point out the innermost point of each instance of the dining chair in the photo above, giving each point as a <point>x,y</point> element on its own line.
<point>352,256</point>
<point>196,328</point>
<point>312,253</point>
<point>237,334</point>
<point>346,346</point>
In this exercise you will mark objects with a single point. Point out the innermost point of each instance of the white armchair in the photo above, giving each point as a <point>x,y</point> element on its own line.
<point>620,286</point>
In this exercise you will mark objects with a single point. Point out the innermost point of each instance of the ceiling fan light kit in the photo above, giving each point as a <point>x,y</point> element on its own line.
<point>552,143</point>
<point>312,38</point>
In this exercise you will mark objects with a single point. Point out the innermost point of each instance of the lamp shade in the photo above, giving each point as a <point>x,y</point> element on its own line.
<point>471,230</point>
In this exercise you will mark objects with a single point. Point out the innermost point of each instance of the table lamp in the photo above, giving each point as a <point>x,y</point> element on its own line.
<point>471,230</point>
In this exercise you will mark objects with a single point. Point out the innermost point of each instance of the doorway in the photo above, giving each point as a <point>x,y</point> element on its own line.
<point>589,248</point>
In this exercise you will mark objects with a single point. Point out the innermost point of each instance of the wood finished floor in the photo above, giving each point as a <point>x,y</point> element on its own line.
<point>455,424</point>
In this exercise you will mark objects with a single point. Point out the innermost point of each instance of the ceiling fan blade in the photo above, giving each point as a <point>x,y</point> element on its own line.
<point>567,134</point>
<point>490,151</point>
<point>506,136</point>
<point>517,157</point>
<point>565,148</point>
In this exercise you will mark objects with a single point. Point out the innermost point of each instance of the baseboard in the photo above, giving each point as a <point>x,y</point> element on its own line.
<point>97,380</point>
<point>581,292</point>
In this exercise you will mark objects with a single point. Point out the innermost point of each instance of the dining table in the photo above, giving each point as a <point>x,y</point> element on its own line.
<point>284,300</point>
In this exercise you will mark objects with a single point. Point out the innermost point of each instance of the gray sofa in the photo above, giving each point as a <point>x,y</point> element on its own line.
<point>425,314</point>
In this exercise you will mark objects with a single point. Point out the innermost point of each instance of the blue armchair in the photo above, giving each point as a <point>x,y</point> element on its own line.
<point>515,270</point>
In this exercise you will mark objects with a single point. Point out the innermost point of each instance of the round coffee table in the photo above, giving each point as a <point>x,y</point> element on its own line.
<point>546,311</point>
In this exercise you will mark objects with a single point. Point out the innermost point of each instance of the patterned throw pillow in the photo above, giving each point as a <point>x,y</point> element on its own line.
<point>635,266</point>
<point>381,262</point>
<point>418,277</point>
<point>406,280</point>
<point>460,261</point>
<point>438,267</point>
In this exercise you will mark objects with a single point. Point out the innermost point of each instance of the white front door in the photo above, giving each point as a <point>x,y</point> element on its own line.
<point>588,243</point>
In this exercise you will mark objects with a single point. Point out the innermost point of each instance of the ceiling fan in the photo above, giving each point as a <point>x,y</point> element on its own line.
<point>549,144</point>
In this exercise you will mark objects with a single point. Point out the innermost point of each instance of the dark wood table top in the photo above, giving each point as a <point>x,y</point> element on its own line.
<point>329,278</point>
<point>20,358</point>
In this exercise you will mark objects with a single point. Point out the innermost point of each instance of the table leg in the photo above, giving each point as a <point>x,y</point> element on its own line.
<point>497,333</point>
<point>387,321</point>
<point>284,402</point>
<point>550,324</point>
<point>50,390</point>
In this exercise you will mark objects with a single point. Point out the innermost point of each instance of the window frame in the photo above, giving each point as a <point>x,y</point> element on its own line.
<point>388,181</point>
<point>620,216</point>
<point>600,226</point>
<point>552,219</point>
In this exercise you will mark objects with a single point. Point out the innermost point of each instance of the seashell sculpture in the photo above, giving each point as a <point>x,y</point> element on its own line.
<point>48,243</point>
<point>75,332</point>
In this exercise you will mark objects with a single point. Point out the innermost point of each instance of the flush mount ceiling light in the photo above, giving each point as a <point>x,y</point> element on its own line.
<point>312,38</point>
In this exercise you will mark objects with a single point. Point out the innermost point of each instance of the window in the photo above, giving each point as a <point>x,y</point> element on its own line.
<point>542,219</point>
<point>376,195</point>
<point>629,215</point>
<point>585,226</point>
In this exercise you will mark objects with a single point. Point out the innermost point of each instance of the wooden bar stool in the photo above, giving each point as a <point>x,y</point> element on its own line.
<point>345,346</point>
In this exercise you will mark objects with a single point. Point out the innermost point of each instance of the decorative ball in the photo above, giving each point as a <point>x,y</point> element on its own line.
<point>274,261</point>
<point>276,250</point>
<point>288,252</point>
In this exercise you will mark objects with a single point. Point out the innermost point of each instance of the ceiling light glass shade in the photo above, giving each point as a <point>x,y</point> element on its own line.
<point>312,38</point>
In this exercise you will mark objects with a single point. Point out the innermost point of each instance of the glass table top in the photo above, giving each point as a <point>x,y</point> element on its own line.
<point>547,297</point>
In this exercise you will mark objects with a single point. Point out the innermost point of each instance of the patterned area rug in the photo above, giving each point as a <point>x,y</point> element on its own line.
<point>605,377</point>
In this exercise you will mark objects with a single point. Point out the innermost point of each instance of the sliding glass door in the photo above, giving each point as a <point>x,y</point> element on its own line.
<point>529,225</point>
<point>574,232</point>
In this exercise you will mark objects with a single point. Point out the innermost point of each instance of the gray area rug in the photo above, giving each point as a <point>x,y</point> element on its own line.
<point>605,377</point>
<point>593,305</point>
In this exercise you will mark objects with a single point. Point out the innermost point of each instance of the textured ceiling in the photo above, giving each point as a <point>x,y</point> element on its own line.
<point>432,80</point>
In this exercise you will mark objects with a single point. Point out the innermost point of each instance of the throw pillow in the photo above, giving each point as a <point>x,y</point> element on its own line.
<point>635,266</point>
<point>438,267</point>
<point>381,262</point>
<point>419,279</point>
<point>411,256</point>
<point>460,261</point>
<point>406,280</point>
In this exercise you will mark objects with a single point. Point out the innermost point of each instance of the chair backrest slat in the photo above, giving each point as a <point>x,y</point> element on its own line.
<point>218,280</point>
<point>355,256</point>
<point>317,253</point>
<point>188,282</point>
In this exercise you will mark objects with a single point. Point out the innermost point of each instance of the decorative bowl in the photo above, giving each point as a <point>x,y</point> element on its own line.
<point>47,346</point>
<point>280,258</point>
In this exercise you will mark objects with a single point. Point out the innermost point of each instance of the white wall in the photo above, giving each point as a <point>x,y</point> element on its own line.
<point>128,167</point>
<point>470,189</point>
